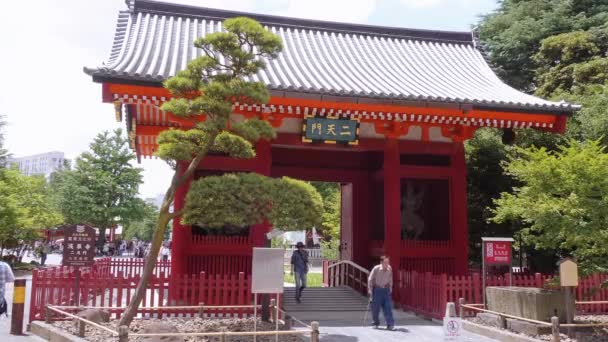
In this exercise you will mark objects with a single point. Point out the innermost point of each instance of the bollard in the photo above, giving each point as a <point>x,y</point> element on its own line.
<point>81,328</point>
<point>273,306</point>
<point>123,333</point>
<point>555,329</point>
<point>314,335</point>
<point>47,315</point>
<point>450,310</point>
<point>460,304</point>
<point>201,310</point>
<point>18,306</point>
<point>288,322</point>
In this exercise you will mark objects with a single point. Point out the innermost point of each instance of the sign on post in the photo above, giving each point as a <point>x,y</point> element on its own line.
<point>267,270</point>
<point>330,130</point>
<point>497,252</point>
<point>78,245</point>
<point>568,272</point>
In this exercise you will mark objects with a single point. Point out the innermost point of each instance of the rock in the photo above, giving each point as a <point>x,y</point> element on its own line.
<point>93,315</point>
<point>489,319</point>
<point>531,303</point>
<point>527,327</point>
<point>160,328</point>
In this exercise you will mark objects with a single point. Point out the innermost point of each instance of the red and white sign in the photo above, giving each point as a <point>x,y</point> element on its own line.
<point>497,252</point>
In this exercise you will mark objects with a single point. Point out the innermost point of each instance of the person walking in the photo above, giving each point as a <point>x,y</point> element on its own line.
<point>299,269</point>
<point>164,252</point>
<point>44,251</point>
<point>6,276</point>
<point>380,288</point>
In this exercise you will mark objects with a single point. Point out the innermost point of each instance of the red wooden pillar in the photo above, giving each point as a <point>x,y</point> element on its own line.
<point>460,234</point>
<point>263,166</point>
<point>392,203</point>
<point>181,234</point>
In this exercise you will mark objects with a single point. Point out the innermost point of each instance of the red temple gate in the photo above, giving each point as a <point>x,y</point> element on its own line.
<point>416,95</point>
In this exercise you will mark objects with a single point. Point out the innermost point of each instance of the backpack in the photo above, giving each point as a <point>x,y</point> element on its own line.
<point>3,307</point>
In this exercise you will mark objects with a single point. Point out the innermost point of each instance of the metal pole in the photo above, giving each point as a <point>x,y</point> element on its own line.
<point>483,273</point>
<point>18,307</point>
<point>568,313</point>
<point>77,286</point>
<point>276,321</point>
<point>255,315</point>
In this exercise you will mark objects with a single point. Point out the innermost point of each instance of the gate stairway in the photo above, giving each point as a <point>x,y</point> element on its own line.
<point>326,304</point>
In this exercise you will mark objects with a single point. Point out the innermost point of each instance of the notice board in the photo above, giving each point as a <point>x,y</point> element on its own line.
<point>267,270</point>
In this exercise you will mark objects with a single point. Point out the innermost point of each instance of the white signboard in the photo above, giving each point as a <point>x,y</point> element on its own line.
<point>267,270</point>
<point>452,328</point>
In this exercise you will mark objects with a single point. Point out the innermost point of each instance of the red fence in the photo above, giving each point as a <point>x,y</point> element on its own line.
<point>112,282</point>
<point>428,293</point>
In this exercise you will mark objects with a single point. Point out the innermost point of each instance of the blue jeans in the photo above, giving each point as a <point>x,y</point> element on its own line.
<point>381,298</point>
<point>300,277</point>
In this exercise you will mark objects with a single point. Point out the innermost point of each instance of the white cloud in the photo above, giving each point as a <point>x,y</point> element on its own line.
<point>354,11</point>
<point>427,4</point>
<point>422,3</point>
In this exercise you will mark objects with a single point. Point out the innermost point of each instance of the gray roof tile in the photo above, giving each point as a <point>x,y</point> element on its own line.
<point>154,40</point>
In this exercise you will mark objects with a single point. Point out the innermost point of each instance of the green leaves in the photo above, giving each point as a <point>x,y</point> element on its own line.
<point>562,200</point>
<point>246,199</point>
<point>25,207</point>
<point>103,187</point>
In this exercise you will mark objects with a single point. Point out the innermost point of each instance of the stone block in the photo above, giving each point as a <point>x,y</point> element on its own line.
<point>489,319</point>
<point>161,328</point>
<point>528,302</point>
<point>527,327</point>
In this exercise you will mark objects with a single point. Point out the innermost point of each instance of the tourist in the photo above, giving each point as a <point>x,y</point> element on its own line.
<point>299,268</point>
<point>44,251</point>
<point>380,288</point>
<point>164,252</point>
<point>6,276</point>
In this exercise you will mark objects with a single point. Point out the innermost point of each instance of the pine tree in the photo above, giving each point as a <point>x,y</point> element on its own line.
<point>204,93</point>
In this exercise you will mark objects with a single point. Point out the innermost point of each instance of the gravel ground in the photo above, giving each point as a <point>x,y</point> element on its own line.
<point>598,334</point>
<point>187,325</point>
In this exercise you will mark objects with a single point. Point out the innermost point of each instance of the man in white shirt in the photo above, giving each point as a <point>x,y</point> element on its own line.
<point>380,288</point>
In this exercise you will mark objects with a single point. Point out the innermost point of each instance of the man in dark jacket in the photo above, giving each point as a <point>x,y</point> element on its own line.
<point>299,268</point>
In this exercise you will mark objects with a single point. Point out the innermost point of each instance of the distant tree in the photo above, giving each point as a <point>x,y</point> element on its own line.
<point>25,207</point>
<point>330,192</point>
<point>142,228</point>
<point>562,201</point>
<point>207,89</point>
<point>513,33</point>
<point>4,155</point>
<point>102,188</point>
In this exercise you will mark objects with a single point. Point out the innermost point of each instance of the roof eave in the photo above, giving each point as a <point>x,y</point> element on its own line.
<point>102,77</point>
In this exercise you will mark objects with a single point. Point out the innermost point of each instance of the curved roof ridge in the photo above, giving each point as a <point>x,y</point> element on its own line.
<point>159,7</point>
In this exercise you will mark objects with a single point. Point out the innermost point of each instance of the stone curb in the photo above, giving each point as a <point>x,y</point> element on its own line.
<point>51,333</point>
<point>495,333</point>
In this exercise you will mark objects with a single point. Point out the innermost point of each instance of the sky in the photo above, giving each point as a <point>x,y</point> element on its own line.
<point>50,104</point>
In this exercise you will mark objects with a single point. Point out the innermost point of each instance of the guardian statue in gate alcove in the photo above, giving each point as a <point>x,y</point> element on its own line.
<point>412,225</point>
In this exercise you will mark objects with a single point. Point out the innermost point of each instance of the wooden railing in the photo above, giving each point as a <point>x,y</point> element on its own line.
<point>123,333</point>
<point>345,273</point>
<point>220,240</point>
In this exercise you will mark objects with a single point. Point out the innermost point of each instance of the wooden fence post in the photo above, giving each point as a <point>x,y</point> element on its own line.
<point>538,279</point>
<point>288,322</point>
<point>314,335</point>
<point>555,329</point>
<point>81,328</point>
<point>123,333</point>
<point>47,314</point>
<point>273,306</point>
<point>201,310</point>
<point>460,307</point>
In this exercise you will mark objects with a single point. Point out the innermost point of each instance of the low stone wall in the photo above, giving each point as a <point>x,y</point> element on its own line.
<point>528,302</point>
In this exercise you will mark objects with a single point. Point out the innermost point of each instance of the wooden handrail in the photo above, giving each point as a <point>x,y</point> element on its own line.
<point>348,262</point>
<point>504,315</point>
